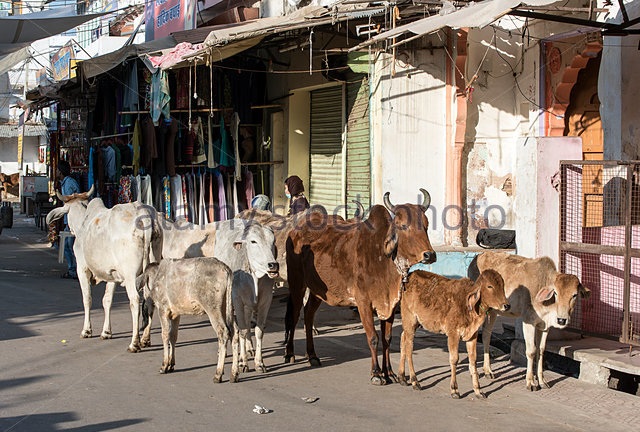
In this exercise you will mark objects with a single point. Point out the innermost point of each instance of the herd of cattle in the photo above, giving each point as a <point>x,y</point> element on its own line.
<point>228,270</point>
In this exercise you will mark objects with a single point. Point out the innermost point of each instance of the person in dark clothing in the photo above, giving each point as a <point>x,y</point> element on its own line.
<point>293,189</point>
<point>68,186</point>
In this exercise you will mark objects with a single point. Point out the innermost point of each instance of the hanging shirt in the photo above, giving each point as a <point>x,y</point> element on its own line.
<point>177,206</point>
<point>135,143</point>
<point>109,160</point>
<point>69,186</point>
<point>159,96</point>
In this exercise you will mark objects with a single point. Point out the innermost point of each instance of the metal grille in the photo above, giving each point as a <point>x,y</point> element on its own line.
<point>600,243</point>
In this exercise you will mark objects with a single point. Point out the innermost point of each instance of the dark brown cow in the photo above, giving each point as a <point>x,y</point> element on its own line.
<point>356,263</point>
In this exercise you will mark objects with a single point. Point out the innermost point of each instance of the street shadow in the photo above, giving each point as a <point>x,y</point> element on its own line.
<point>54,422</point>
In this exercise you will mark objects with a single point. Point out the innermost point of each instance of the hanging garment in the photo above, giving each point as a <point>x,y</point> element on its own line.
<point>223,148</point>
<point>118,156</point>
<point>170,145</point>
<point>211,161</point>
<point>130,101</point>
<point>222,200</point>
<point>149,148</point>
<point>231,200</point>
<point>135,142</point>
<point>167,197</point>
<point>182,90</point>
<point>177,207</point>
<point>138,188</point>
<point>185,204</point>
<point>235,123</point>
<point>109,160</point>
<point>236,209</point>
<point>198,142</point>
<point>125,194</point>
<point>145,190</point>
<point>202,208</point>
<point>210,201</point>
<point>159,96</point>
<point>90,170</point>
<point>135,188</point>
<point>249,190</point>
<point>192,199</point>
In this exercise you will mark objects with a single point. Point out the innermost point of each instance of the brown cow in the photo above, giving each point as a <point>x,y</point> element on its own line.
<point>356,263</point>
<point>538,293</point>
<point>9,183</point>
<point>455,307</point>
<point>282,226</point>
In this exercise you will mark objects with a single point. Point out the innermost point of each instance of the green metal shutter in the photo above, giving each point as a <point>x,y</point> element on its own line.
<point>325,186</point>
<point>358,149</point>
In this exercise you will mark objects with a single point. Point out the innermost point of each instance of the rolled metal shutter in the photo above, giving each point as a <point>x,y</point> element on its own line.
<point>325,186</point>
<point>358,148</point>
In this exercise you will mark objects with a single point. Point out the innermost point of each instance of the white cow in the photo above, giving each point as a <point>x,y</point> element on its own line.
<point>113,246</point>
<point>247,247</point>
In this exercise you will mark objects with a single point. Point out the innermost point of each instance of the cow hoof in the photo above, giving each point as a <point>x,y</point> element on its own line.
<point>290,358</point>
<point>392,378</point>
<point>481,395</point>
<point>489,375</point>
<point>106,335</point>
<point>85,334</point>
<point>403,380</point>
<point>315,362</point>
<point>145,343</point>
<point>377,380</point>
<point>455,395</point>
<point>233,378</point>
<point>533,387</point>
<point>544,384</point>
<point>416,386</point>
<point>133,348</point>
<point>261,368</point>
<point>217,379</point>
<point>166,369</point>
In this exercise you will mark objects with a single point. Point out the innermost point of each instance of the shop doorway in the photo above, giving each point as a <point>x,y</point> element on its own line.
<point>582,119</point>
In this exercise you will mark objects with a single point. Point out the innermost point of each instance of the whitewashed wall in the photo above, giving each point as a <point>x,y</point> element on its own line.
<point>408,126</point>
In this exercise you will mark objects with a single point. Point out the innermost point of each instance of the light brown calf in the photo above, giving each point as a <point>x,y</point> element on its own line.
<point>539,294</point>
<point>455,307</point>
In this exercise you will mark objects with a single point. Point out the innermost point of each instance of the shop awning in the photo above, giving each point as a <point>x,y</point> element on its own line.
<point>10,60</point>
<point>475,15</point>
<point>227,40</point>
<point>104,63</point>
<point>18,31</point>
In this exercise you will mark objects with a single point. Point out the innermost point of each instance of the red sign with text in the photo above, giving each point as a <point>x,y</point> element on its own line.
<point>163,17</point>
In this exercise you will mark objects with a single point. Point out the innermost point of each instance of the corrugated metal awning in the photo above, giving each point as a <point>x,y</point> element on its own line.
<point>229,39</point>
<point>476,15</point>
<point>11,131</point>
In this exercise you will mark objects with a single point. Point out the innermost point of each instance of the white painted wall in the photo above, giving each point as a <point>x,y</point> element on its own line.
<point>408,127</point>
<point>9,155</point>
<point>536,201</point>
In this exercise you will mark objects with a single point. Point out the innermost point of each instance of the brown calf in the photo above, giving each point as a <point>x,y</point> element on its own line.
<point>455,307</point>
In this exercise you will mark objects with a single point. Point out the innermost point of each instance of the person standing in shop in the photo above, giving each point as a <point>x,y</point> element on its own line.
<point>68,186</point>
<point>293,189</point>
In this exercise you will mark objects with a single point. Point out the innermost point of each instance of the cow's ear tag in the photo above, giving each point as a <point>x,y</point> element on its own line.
<point>237,245</point>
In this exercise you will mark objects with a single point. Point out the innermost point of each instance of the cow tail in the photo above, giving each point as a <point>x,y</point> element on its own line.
<point>151,234</point>
<point>229,315</point>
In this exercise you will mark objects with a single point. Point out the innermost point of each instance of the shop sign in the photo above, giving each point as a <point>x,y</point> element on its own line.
<point>168,16</point>
<point>61,63</point>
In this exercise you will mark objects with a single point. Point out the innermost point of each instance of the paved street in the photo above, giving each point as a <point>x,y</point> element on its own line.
<point>52,380</point>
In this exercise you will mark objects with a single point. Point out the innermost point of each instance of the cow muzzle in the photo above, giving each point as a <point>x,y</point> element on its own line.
<point>505,307</point>
<point>562,321</point>
<point>273,269</point>
<point>429,257</point>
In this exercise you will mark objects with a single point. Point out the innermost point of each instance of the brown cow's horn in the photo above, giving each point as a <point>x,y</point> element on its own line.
<point>360,211</point>
<point>387,203</point>
<point>427,198</point>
